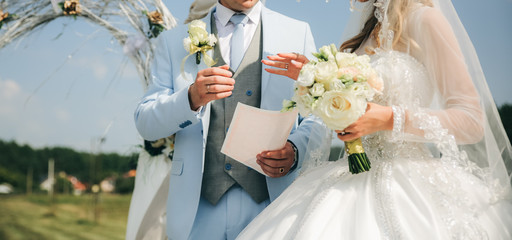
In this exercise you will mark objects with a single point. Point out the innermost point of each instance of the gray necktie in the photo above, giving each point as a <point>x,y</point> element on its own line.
<point>237,40</point>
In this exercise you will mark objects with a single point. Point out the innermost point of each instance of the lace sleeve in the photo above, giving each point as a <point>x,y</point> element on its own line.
<point>456,102</point>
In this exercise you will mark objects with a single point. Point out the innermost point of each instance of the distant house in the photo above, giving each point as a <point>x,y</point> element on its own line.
<point>46,184</point>
<point>78,187</point>
<point>108,185</point>
<point>6,188</point>
<point>130,173</point>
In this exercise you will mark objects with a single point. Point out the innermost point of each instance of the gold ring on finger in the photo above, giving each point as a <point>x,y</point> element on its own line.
<point>286,65</point>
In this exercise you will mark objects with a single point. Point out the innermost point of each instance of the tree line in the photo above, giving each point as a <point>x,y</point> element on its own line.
<point>22,163</point>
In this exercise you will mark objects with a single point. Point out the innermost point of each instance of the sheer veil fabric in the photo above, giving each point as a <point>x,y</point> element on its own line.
<point>441,173</point>
<point>493,152</point>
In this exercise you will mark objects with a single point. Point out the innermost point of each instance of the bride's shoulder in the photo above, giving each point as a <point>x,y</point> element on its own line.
<point>427,16</point>
<point>424,19</point>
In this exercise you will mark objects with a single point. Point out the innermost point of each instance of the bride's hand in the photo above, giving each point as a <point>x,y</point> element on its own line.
<point>377,118</point>
<point>286,64</point>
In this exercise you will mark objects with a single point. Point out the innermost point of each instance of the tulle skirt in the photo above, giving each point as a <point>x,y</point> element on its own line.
<point>399,199</point>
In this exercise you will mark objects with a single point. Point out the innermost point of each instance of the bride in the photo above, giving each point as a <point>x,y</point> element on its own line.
<point>438,149</point>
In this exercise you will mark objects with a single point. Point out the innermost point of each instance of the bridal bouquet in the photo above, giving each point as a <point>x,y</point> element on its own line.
<point>336,87</point>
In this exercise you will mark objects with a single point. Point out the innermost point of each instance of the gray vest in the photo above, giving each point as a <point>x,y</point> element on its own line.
<point>222,172</point>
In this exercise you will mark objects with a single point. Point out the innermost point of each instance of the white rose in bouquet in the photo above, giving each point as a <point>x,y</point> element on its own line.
<point>327,53</point>
<point>305,103</point>
<point>325,72</point>
<point>345,59</point>
<point>317,90</point>
<point>307,75</point>
<point>339,109</point>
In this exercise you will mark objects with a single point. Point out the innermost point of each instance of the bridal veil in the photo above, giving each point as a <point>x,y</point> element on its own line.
<point>480,145</point>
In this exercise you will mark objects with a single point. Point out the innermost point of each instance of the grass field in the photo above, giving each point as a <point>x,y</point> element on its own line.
<point>68,218</point>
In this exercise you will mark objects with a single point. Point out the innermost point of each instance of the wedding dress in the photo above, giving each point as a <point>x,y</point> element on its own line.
<point>147,213</point>
<point>433,177</point>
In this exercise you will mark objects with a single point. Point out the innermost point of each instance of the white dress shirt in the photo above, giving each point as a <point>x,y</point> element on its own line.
<point>225,28</point>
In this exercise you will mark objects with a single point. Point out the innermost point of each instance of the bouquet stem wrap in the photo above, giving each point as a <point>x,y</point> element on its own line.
<point>358,162</point>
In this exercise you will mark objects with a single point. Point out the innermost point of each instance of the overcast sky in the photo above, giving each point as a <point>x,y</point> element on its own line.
<point>66,89</point>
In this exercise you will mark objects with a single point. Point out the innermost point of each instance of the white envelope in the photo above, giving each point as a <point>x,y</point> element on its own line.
<point>253,130</point>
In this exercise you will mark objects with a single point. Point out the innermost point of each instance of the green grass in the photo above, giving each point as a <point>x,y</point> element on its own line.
<point>70,217</point>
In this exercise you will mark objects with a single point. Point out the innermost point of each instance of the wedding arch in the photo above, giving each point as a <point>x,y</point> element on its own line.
<point>133,23</point>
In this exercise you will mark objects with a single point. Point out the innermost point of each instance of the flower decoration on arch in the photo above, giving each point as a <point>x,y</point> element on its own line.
<point>156,23</point>
<point>5,17</point>
<point>125,20</point>
<point>71,7</point>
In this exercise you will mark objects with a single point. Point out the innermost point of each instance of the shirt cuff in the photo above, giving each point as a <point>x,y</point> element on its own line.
<point>296,159</point>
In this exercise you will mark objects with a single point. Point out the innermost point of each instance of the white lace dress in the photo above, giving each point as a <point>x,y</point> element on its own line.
<point>408,193</point>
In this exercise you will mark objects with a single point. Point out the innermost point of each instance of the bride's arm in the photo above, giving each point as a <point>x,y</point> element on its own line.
<point>459,109</point>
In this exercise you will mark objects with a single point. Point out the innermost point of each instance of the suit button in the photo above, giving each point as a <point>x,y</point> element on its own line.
<point>185,124</point>
<point>249,92</point>
<point>228,166</point>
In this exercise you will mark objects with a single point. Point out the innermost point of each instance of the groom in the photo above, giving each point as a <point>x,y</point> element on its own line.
<point>212,196</point>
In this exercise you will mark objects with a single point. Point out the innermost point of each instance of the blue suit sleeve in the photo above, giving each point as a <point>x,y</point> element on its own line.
<point>164,109</point>
<point>300,136</point>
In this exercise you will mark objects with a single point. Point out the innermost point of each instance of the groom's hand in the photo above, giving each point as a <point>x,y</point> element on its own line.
<point>211,84</point>
<point>277,163</point>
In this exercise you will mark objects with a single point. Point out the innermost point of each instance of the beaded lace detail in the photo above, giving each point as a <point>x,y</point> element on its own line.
<point>390,228</point>
<point>398,122</point>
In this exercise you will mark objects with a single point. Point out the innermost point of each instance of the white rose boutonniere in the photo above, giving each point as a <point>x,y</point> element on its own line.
<point>336,87</point>
<point>198,42</point>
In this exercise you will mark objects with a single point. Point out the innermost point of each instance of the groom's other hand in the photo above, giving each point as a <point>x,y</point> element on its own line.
<point>211,84</point>
<point>277,163</point>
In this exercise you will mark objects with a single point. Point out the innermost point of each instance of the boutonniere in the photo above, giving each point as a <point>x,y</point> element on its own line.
<point>198,42</point>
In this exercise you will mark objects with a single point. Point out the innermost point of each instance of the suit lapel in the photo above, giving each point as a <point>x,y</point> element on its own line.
<point>267,28</point>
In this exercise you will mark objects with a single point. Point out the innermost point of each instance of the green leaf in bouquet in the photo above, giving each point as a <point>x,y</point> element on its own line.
<point>288,105</point>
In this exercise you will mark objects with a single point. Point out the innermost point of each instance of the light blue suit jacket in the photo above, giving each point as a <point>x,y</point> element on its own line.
<point>165,110</point>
